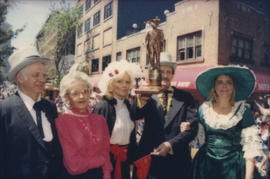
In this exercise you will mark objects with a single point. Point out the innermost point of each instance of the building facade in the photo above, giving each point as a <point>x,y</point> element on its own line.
<point>198,34</point>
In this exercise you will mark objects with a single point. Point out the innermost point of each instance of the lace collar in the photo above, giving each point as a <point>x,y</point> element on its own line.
<point>220,121</point>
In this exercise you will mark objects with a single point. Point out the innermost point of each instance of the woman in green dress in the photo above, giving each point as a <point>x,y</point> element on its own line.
<point>231,137</point>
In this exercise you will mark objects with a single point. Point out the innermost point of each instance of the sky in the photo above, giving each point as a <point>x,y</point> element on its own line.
<point>32,14</point>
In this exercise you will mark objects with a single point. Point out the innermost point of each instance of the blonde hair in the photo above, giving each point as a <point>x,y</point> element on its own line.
<point>213,94</point>
<point>109,90</point>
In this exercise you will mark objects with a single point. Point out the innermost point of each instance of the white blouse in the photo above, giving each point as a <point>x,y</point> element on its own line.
<point>123,124</point>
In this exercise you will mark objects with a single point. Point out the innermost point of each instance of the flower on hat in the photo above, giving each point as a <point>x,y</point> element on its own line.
<point>117,68</point>
<point>112,74</point>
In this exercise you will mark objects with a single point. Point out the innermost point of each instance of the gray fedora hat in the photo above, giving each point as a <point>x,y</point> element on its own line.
<point>166,60</point>
<point>20,59</point>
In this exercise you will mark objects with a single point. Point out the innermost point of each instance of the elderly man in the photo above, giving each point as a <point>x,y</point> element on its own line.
<point>173,154</point>
<point>29,145</point>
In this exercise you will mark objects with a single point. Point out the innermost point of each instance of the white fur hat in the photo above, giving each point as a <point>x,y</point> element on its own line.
<point>21,58</point>
<point>117,68</point>
<point>166,60</point>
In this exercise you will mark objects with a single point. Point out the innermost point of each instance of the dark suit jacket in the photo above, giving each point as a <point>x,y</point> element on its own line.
<point>153,131</point>
<point>182,109</point>
<point>23,153</point>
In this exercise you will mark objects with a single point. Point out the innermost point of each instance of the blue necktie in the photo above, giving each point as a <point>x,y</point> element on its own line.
<point>37,107</point>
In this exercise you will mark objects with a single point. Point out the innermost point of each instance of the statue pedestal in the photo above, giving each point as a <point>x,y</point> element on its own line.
<point>148,90</point>
<point>155,84</point>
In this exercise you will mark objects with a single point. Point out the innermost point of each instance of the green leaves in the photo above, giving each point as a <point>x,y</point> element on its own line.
<point>6,34</point>
<point>63,21</point>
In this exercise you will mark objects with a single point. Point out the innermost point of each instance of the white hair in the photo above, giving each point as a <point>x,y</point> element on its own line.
<point>70,78</point>
<point>23,72</point>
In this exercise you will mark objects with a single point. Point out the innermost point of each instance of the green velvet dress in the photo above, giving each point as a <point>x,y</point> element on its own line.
<point>222,155</point>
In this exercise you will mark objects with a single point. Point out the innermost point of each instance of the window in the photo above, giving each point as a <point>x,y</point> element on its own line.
<point>79,50</point>
<point>108,10</point>
<point>189,47</point>
<point>94,65</point>
<point>96,18</point>
<point>87,25</point>
<point>79,32</point>
<point>87,45</point>
<point>96,1</point>
<point>81,11</point>
<point>87,4</point>
<point>107,37</point>
<point>105,61</point>
<point>96,42</point>
<point>241,48</point>
<point>266,56</point>
<point>133,55</point>
<point>118,56</point>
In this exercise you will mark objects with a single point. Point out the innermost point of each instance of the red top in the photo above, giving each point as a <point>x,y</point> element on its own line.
<point>85,141</point>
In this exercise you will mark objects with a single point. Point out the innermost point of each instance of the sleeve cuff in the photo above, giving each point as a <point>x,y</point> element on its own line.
<point>168,144</point>
<point>106,174</point>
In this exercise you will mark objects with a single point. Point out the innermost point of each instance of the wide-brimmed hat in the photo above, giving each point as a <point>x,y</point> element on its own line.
<point>244,80</point>
<point>117,68</point>
<point>166,60</point>
<point>21,58</point>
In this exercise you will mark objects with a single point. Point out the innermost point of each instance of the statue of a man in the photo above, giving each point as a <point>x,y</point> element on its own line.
<point>154,43</point>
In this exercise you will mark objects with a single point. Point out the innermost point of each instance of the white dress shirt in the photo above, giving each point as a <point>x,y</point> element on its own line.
<point>29,103</point>
<point>123,124</point>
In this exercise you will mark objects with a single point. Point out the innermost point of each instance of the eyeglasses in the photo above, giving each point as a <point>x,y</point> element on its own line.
<point>78,93</point>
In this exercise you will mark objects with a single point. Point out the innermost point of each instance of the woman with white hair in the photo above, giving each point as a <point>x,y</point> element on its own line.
<point>84,136</point>
<point>116,84</point>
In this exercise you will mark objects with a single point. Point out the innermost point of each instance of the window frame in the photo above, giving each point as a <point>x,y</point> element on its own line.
<point>108,12</point>
<point>118,57</point>
<point>92,65</point>
<point>137,57</point>
<point>107,63</point>
<point>266,56</point>
<point>81,11</point>
<point>80,30</point>
<point>189,47</point>
<point>87,20</point>
<point>95,18</point>
<point>240,49</point>
<point>87,5</point>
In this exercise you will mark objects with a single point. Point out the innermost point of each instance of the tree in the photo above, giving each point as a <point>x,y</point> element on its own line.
<point>62,21</point>
<point>5,35</point>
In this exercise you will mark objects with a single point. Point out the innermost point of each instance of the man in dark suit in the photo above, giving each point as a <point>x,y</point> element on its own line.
<point>29,144</point>
<point>178,108</point>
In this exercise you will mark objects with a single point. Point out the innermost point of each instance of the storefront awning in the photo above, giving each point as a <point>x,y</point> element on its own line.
<point>185,78</point>
<point>262,82</point>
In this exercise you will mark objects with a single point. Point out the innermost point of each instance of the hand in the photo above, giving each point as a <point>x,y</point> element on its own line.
<point>162,150</point>
<point>263,164</point>
<point>184,126</point>
<point>143,99</point>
